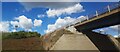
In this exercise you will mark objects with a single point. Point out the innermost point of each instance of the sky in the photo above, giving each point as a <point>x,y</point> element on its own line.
<point>45,17</point>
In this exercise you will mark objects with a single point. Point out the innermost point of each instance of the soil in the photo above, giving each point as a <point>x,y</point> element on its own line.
<point>32,43</point>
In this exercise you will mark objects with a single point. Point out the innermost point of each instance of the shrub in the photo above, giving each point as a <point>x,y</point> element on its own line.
<point>20,34</point>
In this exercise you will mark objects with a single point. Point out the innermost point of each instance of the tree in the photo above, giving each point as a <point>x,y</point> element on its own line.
<point>16,26</point>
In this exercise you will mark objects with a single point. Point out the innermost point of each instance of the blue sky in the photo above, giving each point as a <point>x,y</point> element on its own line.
<point>13,10</point>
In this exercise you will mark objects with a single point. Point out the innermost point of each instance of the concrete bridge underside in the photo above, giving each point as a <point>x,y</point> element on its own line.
<point>104,20</point>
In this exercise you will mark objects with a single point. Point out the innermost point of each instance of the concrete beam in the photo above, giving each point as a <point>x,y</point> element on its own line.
<point>104,20</point>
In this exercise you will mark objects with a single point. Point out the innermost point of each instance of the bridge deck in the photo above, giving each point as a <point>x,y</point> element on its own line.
<point>104,20</point>
<point>100,16</point>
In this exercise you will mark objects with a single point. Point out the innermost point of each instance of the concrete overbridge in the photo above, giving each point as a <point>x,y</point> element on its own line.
<point>109,18</point>
<point>86,39</point>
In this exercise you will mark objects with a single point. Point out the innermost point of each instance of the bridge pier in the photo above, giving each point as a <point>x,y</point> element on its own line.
<point>102,42</point>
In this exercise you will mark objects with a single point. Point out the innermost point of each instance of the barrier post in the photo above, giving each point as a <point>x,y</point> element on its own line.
<point>108,7</point>
<point>87,17</point>
<point>97,13</point>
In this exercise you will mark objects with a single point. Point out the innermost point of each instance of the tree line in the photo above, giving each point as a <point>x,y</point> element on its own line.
<point>19,35</point>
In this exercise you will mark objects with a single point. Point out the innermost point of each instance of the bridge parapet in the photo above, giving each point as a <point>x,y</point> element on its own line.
<point>97,13</point>
<point>108,18</point>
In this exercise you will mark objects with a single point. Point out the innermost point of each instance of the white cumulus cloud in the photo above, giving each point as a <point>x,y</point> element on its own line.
<point>63,22</point>
<point>69,10</point>
<point>53,5</point>
<point>14,30</point>
<point>15,23</point>
<point>37,22</point>
<point>24,22</point>
<point>82,18</point>
<point>116,36</point>
<point>60,23</point>
<point>4,26</point>
<point>116,27</point>
<point>41,15</point>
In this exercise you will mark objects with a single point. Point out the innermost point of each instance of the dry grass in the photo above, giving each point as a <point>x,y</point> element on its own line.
<point>33,43</point>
